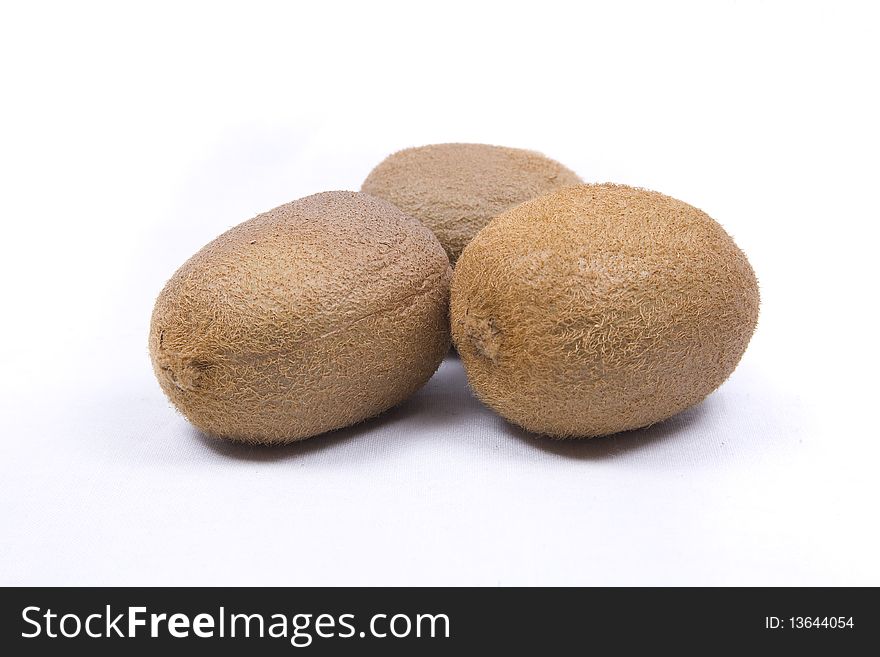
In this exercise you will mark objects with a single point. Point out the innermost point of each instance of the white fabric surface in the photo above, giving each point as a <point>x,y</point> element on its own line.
<point>133,139</point>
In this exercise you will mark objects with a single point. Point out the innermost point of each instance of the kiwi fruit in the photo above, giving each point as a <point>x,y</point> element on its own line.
<point>310,317</point>
<point>456,189</point>
<point>600,308</point>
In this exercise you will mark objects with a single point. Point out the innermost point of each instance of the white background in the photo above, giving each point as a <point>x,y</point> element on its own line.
<point>131,136</point>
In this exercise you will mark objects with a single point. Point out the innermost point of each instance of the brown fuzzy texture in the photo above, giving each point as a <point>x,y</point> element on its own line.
<point>310,317</point>
<point>600,308</point>
<point>456,189</point>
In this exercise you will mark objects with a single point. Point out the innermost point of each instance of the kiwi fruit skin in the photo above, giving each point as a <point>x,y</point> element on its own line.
<point>456,189</point>
<point>310,317</point>
<point>599,309</point>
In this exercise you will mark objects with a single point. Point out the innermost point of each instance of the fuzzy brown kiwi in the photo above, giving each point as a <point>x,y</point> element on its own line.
<point>456,189</point>
<point>310,317</point>
<point>600,308</point>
